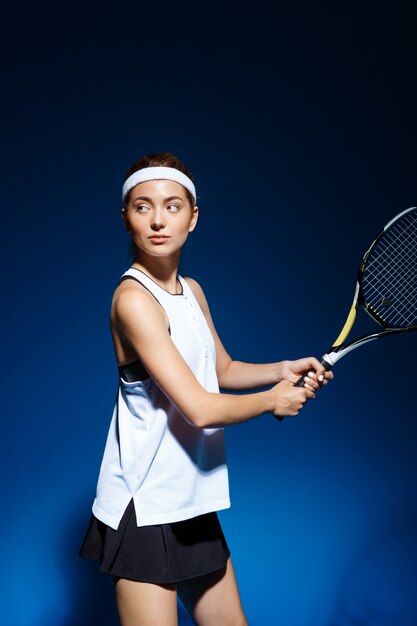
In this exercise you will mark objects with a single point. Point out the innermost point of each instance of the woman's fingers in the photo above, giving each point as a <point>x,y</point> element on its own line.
<point>311,380</point>
<point>310,391</point>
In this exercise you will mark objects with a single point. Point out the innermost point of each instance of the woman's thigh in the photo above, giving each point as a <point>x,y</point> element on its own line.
<point>213,599</point>
<point>146,604</point>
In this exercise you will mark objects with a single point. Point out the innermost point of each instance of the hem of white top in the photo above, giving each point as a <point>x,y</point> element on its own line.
<point>165,518</point>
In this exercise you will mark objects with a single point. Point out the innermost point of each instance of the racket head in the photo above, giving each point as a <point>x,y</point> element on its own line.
<point>386,286</point>
<point>388,274</point>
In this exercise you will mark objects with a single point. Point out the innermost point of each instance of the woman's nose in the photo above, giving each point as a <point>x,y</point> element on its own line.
<point>158,220</point>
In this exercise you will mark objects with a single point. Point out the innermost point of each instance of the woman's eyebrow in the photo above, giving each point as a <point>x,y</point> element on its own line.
<point>145,198</point>
<point>173,198</point>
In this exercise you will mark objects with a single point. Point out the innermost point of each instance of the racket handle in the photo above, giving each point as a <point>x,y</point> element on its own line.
<point>327,366</point>
<point>300,382</point>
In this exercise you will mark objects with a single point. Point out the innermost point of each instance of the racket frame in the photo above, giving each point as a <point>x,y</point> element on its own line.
<point>339,348</point>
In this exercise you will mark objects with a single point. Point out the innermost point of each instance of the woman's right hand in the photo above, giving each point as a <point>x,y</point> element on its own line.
<point>289,400</point>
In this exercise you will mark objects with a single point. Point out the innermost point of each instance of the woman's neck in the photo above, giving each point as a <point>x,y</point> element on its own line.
<point>163,271</point>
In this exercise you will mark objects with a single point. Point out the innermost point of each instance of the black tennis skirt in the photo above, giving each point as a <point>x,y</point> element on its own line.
<point>162,553</point>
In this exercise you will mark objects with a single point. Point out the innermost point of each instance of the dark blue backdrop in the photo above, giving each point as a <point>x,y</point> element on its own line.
<point>299,124</point>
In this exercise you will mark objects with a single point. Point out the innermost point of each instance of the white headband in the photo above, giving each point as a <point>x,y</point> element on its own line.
<point>158,173</point>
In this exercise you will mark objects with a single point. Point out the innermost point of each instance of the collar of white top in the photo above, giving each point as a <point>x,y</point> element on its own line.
<point>158,173</point>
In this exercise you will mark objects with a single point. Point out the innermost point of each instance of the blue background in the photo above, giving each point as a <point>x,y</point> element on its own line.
<point>299,124</point>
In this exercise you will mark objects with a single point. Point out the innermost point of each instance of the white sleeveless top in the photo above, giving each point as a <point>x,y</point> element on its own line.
<point>173,470</point>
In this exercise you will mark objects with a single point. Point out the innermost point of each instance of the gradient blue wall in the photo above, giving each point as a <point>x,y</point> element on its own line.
<point>300,126</point>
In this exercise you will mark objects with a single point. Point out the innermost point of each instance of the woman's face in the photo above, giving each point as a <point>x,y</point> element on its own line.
<point>159,217</point>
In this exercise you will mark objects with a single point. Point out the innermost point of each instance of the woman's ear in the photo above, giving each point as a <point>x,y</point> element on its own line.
<point>125,219</point>
<point>194,219</point>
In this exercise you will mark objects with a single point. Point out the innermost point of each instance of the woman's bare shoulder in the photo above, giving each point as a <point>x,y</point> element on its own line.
<point>131,298</point>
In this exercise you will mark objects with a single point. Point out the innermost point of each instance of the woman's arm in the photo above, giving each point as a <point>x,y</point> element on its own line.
<point>238,375</point>
<point>141,323</point>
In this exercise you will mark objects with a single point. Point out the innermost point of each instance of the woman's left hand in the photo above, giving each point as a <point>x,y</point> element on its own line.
<point>292,370</point>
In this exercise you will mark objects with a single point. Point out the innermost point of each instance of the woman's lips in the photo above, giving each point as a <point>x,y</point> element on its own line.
<point>158,239</point>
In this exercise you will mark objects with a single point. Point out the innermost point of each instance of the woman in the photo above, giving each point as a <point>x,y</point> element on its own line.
<point>154,526</point>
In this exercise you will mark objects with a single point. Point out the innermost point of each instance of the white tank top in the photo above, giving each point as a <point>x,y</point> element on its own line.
<point>171,469</point>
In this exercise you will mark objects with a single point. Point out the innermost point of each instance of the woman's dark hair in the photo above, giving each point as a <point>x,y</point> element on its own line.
<point>159,159</point>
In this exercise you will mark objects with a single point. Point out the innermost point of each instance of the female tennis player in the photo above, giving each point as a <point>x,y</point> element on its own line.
<point>154,526</point>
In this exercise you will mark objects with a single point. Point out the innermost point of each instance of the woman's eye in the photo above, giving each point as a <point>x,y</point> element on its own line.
<point>142,208</point>
<point>173,208</point>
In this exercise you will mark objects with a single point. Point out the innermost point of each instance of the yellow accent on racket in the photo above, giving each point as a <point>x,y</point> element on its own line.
<point>347,327</point>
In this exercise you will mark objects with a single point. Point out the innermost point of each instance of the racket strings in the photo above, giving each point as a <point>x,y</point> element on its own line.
<point>404,276</point>
<point>394,297</point>
<point>392,278</point>
<point>389,282</point>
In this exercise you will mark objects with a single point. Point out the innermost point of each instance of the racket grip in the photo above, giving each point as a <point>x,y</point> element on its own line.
<point>300,382</point>
<point>327,366</point>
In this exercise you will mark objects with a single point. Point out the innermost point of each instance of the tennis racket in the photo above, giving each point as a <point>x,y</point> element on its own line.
<point>386,287</point>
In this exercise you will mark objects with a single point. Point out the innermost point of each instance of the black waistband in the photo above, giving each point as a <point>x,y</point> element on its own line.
<point>133,372</point>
